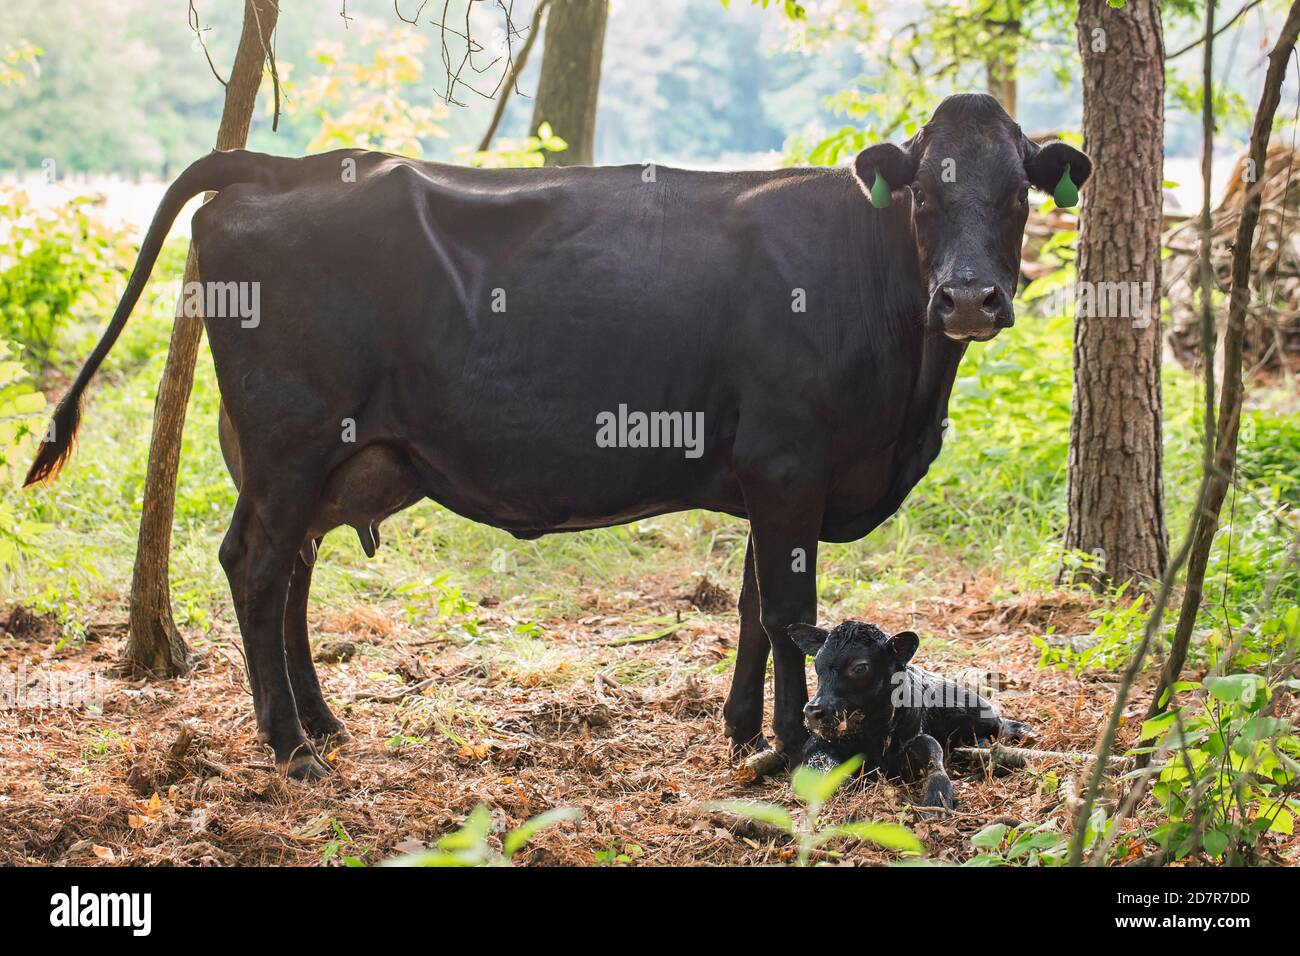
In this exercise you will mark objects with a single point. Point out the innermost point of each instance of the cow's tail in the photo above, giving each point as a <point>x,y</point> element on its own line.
<point>215,171</point>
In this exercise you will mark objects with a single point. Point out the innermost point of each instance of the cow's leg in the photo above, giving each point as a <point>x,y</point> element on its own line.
<point>785,520</point>
<point>743,713</point>
<point>313,713</point>
<point>258,555</point>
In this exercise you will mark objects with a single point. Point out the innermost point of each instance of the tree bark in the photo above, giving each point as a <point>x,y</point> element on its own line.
<point>155,648</point>
<point>1115,490</point>
<point>570,82</point>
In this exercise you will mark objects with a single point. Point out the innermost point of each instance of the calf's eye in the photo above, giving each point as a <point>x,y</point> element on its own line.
<point>1024,197</point>
<point>918,197</point>
<point>859,669</point>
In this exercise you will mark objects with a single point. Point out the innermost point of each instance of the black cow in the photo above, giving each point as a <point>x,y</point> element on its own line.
<point>871,701</point>
<point>488,339</point>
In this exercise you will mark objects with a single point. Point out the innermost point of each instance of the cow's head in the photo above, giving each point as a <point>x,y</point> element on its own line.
<point>969,171</point>
<point>857,666</point>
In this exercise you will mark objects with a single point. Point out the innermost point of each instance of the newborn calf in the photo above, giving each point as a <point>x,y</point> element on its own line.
<point>871,701</point>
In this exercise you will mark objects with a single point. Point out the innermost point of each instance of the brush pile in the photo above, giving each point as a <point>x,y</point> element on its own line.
<point>1272,341</point>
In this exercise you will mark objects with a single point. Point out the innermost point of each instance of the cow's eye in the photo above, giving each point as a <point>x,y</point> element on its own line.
<point>918,197</point>
<point>859,669</point>
<point>1024,196</point>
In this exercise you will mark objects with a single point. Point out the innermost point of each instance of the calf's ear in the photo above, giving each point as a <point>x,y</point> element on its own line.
<point>1059,169</point>
<point>881,169</point>
<point>809,638</point>
<point>904,645</point>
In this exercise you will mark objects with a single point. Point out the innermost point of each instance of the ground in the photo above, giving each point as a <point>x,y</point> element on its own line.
<point>627,732</point>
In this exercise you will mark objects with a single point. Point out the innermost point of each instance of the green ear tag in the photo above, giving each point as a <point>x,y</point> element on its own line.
<point>880,192</point>
<point>1066,193</point>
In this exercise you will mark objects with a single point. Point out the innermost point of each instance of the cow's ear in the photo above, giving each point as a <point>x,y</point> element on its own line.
<point>904,645</point>
<point>1059,169</point>
<point>881,169</point>
<point>809,638</point>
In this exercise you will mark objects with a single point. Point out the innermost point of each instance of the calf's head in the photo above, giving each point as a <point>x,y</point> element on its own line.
<point>968,172</point>
<point>857,676</point>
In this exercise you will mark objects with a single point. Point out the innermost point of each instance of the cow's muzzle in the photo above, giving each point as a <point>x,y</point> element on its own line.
<point>829,723</point>
<point>968,310</point>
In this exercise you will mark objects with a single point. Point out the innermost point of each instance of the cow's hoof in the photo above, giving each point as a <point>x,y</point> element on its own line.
<point>306,767</point>
<point>743,749</point>
<point>791,751</point>
<point>326,729</point>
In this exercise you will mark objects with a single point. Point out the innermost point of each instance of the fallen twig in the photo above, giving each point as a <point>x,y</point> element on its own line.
<point>1000,755</point>
<point>411,690</point>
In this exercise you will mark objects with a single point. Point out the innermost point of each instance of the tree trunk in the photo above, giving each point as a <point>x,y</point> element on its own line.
<point>1115,490</point>
<point>570,80</point>
<point>1000,79</point>
<point>1000,72</point>
<point>154,646</point>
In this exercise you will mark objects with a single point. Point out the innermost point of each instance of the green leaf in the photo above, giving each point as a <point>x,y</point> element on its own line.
<point>1215,841</point>
<point>768,813</point>
<point>646,638</point>
<point>521,834</point>
<point>1280,818</point>
<point>472,833</point>
<point>815,788</point>
<point>990,837</point>
<point>1157,725</point>
<point>892,836</point>
<point>1233,688</point>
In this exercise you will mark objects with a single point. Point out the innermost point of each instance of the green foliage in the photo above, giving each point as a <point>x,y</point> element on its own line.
<point>469,845</point>
<point>364,104</point>
<point>53,260</point>
<point>1232,764</point>
<point>814,788</point>
<point>1231,108</point>
<point>1002,845</point>
<point>334,847</point>
<point>791,8</point>
<point>1121,623</point>
<point>20,415</point>
<point>17,60</point>
<point>515,153</point>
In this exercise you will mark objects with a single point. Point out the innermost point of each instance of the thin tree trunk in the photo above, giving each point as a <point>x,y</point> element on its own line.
<point>1115,489</point>
<point>1000,79</point>
<point>1000,72</point>
<point>155,648</point>
<point>516,68</point>
<point>570,82</point>
<point>1219,475</point>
